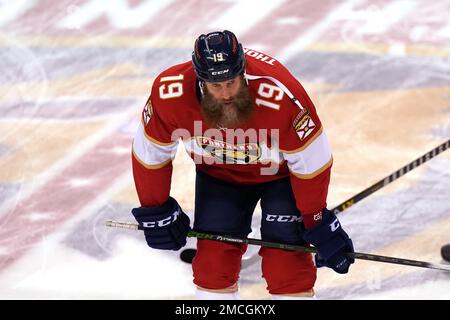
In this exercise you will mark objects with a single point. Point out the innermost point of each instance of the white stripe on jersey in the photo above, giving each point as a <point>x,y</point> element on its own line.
<point>312,160</point>
<point>149,153</point>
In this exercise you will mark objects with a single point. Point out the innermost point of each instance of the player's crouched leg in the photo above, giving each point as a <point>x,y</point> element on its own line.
<point>216,268</point>
<point>288,273</point>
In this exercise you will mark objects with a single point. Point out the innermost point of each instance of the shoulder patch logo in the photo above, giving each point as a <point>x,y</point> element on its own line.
<point>148,111</point>
<point>303,124</point>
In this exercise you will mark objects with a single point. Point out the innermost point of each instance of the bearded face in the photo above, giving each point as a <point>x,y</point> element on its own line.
<point>226,104</point>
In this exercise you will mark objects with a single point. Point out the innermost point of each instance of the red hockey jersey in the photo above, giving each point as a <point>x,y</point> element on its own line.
<point>283,138</point>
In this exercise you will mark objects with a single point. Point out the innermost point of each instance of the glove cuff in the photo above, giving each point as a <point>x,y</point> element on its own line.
<point>328,228</point>
<point>170,205</point>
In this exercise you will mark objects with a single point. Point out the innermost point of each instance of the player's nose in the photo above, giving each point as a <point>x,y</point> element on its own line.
<point>226,93</point>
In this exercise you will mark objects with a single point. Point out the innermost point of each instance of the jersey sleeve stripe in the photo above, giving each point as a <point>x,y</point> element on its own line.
<point>312,159</point>
<point>306,145</point>
<point>315,173</point>
<point>149,153</point>
<point>153,139</point>
<point>153,167</point>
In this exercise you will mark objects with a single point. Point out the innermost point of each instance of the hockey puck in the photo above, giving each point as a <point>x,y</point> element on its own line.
<point>445,252</point>
<point>187,255</point>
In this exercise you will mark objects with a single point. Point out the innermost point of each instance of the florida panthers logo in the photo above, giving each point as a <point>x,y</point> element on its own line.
<point>243,153</point>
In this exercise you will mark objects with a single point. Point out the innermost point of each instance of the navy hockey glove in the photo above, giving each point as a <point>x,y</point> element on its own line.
<point>165,227</point>
<point>332,243</point>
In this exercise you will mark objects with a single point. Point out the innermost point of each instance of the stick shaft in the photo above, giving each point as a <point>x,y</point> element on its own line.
<point>341,207</point>
<point>356,255</point>
<point>125,225</point>
<point>392,177</point>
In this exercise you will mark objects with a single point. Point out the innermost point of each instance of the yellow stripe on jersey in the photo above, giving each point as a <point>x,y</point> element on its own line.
<point>153,139</point>
<point>315,173</point>
<point>308,162</point>
<point>153,167</point>
<point>151,153</point>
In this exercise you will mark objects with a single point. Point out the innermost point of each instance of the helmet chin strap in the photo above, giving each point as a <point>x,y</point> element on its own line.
<point>201,83</point>
<point>245,77</point>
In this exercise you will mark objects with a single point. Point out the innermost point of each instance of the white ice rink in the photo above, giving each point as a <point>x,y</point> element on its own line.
<point>76,74</point>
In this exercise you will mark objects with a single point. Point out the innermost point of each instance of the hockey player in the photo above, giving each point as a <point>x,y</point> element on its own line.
<point>253,134</point>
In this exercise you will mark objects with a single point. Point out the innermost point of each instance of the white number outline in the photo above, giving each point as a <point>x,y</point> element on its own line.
<point>266,90</point>
<point>174,89</point>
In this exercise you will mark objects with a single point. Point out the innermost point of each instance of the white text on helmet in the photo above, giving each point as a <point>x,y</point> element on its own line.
<point>214,73</point>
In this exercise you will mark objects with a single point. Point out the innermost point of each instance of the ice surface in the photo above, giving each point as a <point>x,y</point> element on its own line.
<point>75,75</point>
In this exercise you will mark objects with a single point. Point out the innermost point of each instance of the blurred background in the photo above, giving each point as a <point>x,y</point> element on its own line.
<point>76,75</point>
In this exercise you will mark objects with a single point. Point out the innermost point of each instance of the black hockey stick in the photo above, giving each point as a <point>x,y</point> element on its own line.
<point>356,255</point>
<point>392,177</point>
<point>188,254</point>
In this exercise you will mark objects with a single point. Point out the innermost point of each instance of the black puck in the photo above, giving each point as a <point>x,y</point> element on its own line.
<point>445,252</point>
<point>187,255</point>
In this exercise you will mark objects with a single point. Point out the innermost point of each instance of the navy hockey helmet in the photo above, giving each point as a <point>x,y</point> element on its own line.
<point>218,56</point>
